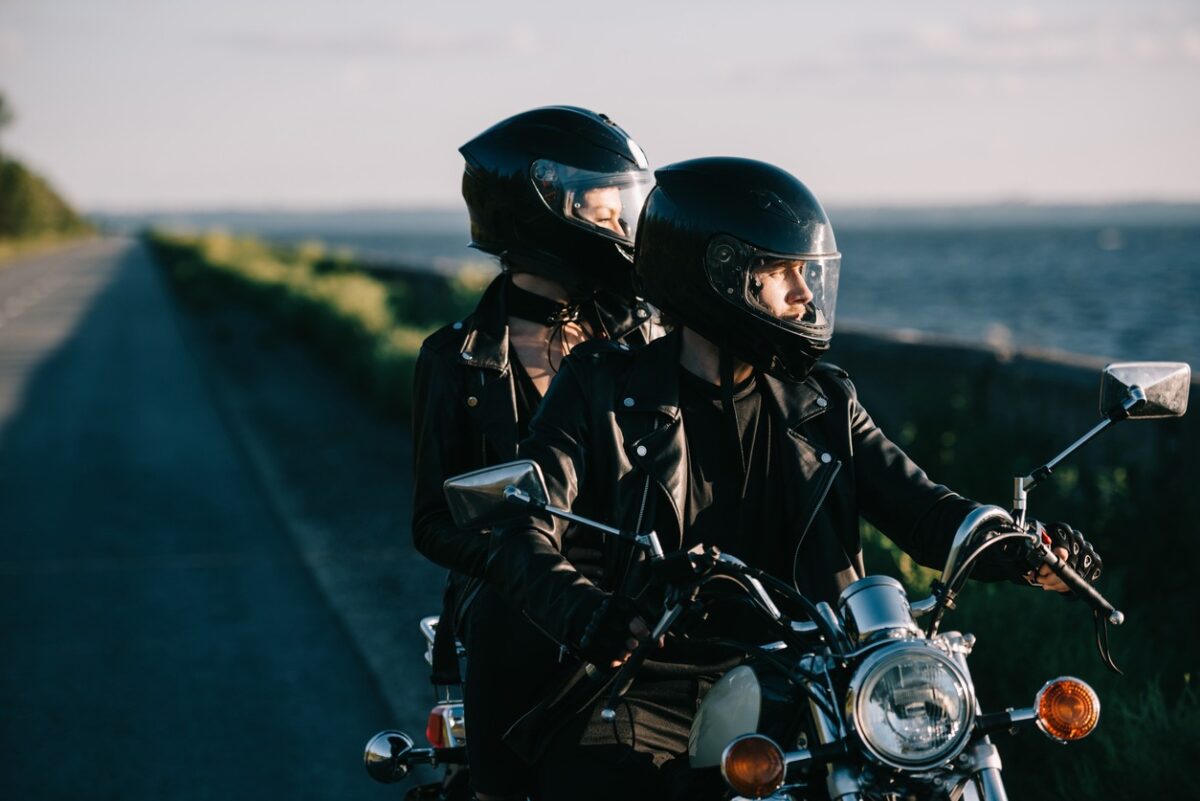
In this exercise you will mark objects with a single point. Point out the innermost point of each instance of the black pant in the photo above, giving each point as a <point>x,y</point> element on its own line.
<point>640,755</point>
<point>508,663</point>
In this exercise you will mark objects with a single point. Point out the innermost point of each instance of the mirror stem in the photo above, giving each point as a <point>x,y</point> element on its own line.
<point>648,541</point>
<point>1022,484</point>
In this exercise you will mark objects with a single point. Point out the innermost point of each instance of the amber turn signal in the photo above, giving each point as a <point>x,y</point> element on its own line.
<point>1067,709</point>
<point>753,766</point>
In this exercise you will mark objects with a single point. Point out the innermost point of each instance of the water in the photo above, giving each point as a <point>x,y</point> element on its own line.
<point>1113,292</point>
<point>1116,282</point>
<point>1119,293</point>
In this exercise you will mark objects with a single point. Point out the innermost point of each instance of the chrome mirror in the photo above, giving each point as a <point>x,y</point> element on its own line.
<point>477,499</point>
<point>1165,384</point>
<point>384,757</point>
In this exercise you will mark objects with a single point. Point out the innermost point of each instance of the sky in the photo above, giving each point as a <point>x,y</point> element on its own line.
<point>142,105</point>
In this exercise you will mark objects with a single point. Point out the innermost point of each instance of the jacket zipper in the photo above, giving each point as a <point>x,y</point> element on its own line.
<point>642,511</point>
<point>820,499</point>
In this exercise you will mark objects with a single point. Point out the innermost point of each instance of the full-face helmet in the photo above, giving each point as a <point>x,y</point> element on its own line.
<point>742,253</point>
<point>557,191</point>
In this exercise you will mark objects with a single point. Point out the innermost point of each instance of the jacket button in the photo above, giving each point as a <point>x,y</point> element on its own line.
<point>628,402</point>
<point>472,401</point>
<point>466,356</point>
<point>641,450</point>
<point>822,402</point>
<point>826,458</point>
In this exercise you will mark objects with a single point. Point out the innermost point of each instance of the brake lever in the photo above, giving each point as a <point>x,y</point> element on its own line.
<point>624,677</point>
<point>1101,623</point>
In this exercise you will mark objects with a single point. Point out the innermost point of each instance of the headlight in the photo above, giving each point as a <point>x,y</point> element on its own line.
<point>911,705</point>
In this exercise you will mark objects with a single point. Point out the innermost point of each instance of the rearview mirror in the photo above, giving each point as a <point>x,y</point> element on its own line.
<point>385,754</point>
<point>477,499</point>
<point>1166,385</point>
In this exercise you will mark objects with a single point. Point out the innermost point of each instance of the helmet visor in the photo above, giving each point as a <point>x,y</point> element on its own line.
<point>795,291</point>
<point>605,203</point>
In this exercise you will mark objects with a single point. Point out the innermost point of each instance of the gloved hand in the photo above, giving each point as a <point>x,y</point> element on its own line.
<point>1079,555</point>
<point>612,633</point>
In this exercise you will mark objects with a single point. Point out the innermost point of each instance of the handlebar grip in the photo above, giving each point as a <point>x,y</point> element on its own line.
<point>1083,588</point>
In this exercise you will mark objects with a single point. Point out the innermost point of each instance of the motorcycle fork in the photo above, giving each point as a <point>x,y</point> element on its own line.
<point>982,757</point>
<point>842,779</point>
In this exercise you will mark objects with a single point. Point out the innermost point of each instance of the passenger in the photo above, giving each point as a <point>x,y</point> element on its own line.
<point>555,194</point>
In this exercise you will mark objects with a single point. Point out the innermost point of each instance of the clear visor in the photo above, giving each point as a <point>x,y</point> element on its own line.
<point>604,202</point>
<point>798,292</point>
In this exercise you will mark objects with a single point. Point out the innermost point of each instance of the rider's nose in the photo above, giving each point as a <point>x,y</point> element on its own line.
<point>798,291</point>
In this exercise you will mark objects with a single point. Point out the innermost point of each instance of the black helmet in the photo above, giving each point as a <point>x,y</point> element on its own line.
<point>557,191</point>
<point>742,253</point>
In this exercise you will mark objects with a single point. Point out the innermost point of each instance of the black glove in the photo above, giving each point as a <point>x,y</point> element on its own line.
<point>605,638</point>
<point>1082,557</point>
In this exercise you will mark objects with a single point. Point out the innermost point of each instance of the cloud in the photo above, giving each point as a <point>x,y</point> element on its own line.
<point>1018,42</point>
<point>395,44</point>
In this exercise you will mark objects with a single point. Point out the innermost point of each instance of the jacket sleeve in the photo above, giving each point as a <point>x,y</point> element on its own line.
<point>525,563</point>
<point>896,496</point>
<point>444,444</point>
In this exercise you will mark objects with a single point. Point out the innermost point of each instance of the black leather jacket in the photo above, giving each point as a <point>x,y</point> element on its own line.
<point>609,437</point>
<point>465,418</point>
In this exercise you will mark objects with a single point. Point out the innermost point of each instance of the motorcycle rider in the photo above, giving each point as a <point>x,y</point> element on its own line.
<point>554,193</point>
<point>728,432</point>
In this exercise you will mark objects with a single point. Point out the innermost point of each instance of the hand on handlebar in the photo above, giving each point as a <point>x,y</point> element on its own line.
<point>615,631</point>
<point>1070,546</point>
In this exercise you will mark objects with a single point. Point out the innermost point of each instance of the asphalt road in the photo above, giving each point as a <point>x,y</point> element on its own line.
<point>160,636</point>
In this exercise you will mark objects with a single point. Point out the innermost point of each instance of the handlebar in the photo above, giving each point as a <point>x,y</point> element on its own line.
<point>1078,584</point>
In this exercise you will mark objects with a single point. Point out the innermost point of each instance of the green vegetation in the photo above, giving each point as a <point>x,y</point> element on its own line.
<point>369,323</point>
<point>1148,741</point>
<point>32,214</point>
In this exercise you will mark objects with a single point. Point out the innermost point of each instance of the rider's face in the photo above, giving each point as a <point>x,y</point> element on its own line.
<point>779,287</point>
<point>602,208</point>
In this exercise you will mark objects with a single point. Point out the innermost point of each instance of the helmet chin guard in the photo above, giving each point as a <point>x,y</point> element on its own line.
<point>742,253</point>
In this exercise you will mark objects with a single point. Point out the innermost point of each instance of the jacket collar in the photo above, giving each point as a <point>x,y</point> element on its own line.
<point>796,403</point>
<point>653,384</point>
<point>486,342</point>
<point>618,318</point>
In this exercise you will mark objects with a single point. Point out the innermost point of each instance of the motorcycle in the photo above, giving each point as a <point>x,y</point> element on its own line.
<point>857,702</point>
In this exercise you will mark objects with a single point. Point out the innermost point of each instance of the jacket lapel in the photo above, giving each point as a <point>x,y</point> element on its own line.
<point>652,426</point>
<point>810,462</point>
<point>490,385</point>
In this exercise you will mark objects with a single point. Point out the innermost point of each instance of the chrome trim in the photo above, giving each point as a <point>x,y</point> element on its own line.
<point>775,745</point>
<point>429,628</point>
<point>923,606</point>
<point>1037,704</point>
<point>966,532</point>
<point>1020,717</point>
<point>865,671</point>
<point>876,607</point>
<point>759,590</point>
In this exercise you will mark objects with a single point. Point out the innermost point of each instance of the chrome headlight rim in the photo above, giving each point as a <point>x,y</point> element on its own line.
<point>884,659</point>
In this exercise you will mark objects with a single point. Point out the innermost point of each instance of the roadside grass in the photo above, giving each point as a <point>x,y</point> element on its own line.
<point>369,323</point>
